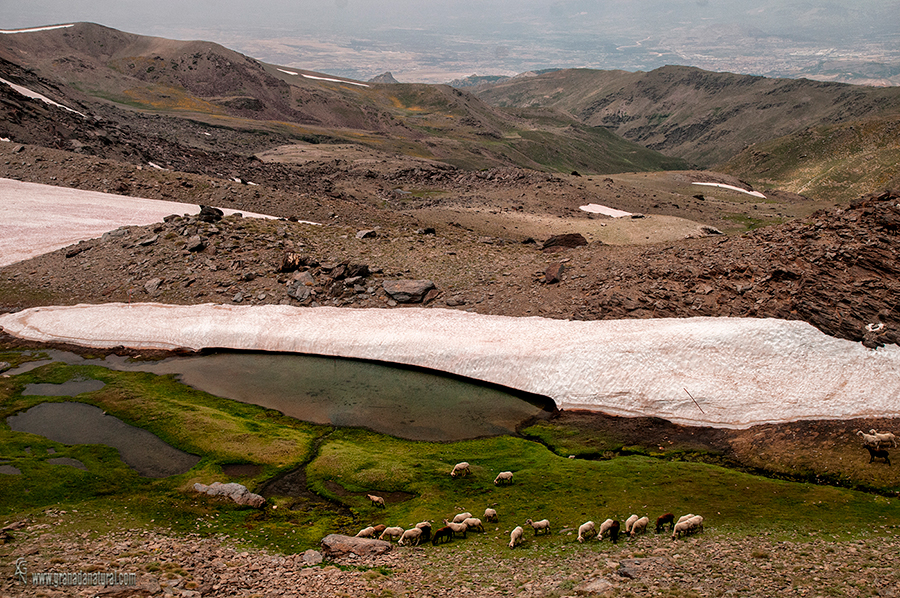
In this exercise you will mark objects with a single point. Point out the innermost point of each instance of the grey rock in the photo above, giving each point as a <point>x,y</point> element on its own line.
<point>236,492</point>
<point>597,587</point>
<point>152,286</point>
<point>312,557</point>
<point>148,241</point>
<point>338,545</point>
<point>4,365</point>
<point>407,291</point>
<point>366,234</point>
<point>195,243</point>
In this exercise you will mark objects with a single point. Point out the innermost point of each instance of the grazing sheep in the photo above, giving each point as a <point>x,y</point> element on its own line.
<point>474,524</point>
<point>639,526</point>
<point>688,527</point>
<point>884,438</point>
<point>458,528</point>
<point>460,517</point>
<point>377,501</point>
<point>662,520</point>
<point>515,536</point>
<point>491,515</point>
<point>425,526</point>
<point>366,532</point>
<point>868,439</point>
<point>380,528</point>
<point>445,534</point>
<point>684,518</point>
<point>542,525</point>
<point>604,528</point>
<point>460,469</point>
<point>878,454</point>
<point>504,477</point>
<point>586,531</point>
<point>614,532</point>
<point>391,532</point>
<point>629,522</point>
<point>413,535</point>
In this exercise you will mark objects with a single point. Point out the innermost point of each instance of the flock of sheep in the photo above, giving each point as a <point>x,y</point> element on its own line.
<point>874,443</point>
<point>464,522</point>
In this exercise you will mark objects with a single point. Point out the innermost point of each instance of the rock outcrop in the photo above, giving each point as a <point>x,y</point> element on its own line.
<point>236,492</point>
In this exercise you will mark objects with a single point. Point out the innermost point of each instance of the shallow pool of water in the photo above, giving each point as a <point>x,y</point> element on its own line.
<point>404,402</point>
<point>79,423</point>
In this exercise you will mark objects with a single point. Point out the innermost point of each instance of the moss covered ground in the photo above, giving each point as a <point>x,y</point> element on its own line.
<point>343,465</point>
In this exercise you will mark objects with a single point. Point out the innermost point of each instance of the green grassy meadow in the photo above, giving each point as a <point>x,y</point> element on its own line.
<point>343,465</point>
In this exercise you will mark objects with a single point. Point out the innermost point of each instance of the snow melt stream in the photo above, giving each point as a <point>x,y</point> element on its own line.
<point>740,371</point>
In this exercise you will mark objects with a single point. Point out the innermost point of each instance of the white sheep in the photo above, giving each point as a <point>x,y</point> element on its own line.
<point>515,536</point>
<point>687,527</point>
<point>542,525</point>
<point>629,522</point>
<point>491,515</point>
<point>868,439</point>
<point>458,528</point>
<point>366,532</point>
<point>684,518</point>
<point>604,527</point>
<point>474,524</point>
<point>391,532</point>
<point>639,526</point>
<point>460,469</point>
<point>884,438</point>
<point>504,477</point>
<point>410,535</point>
<point>586,531</point>
<point>460,517</point>
<point>377,501</point>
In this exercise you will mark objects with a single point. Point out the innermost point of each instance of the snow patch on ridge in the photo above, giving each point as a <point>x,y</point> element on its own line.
<point>741,371</point>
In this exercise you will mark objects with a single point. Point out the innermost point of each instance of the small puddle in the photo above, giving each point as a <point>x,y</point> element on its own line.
<point>79,423</point>
<point>71,388</point>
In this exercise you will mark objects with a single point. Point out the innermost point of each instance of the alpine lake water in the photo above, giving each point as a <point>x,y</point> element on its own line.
<point>403,402</point>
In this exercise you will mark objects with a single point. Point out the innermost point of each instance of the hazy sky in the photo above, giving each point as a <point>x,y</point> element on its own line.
<point>436,38</point>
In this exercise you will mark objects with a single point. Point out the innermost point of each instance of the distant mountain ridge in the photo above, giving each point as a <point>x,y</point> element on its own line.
<point>703,117</point>
<point>205,81</point>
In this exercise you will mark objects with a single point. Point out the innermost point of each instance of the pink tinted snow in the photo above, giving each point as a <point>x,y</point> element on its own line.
<point>740,371</point>
<point>37,219</point>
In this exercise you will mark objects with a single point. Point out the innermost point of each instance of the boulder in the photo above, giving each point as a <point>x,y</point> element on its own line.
<point>367,234</point>
<point>567,241</point>
<point>195,243</point>
<point>210,214</point>
<point>152,286</point>
<point>236,492</point>
<point>338,545</point>
<point>554,272</point>
<point>407,291</point>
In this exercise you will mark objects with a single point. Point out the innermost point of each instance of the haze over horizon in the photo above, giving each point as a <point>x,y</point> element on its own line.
<point>843,40</point>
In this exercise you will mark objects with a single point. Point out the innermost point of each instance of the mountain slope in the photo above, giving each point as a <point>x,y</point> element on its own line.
<point>700,116</point>
<point>222,88</point>
<point>828,162</point>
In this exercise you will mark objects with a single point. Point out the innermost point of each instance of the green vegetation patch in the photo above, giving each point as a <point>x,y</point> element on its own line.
<point>342,466</point>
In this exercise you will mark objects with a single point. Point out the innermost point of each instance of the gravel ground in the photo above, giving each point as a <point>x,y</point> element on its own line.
<point>703,565</point>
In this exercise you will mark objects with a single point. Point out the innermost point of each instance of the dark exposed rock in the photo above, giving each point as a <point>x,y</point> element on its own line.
<point>566,241</point>
<point>195,243</point>
<point>338,545</point>
<point>407,291</point>
<point>210,214</point>
<point>554,272</point>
